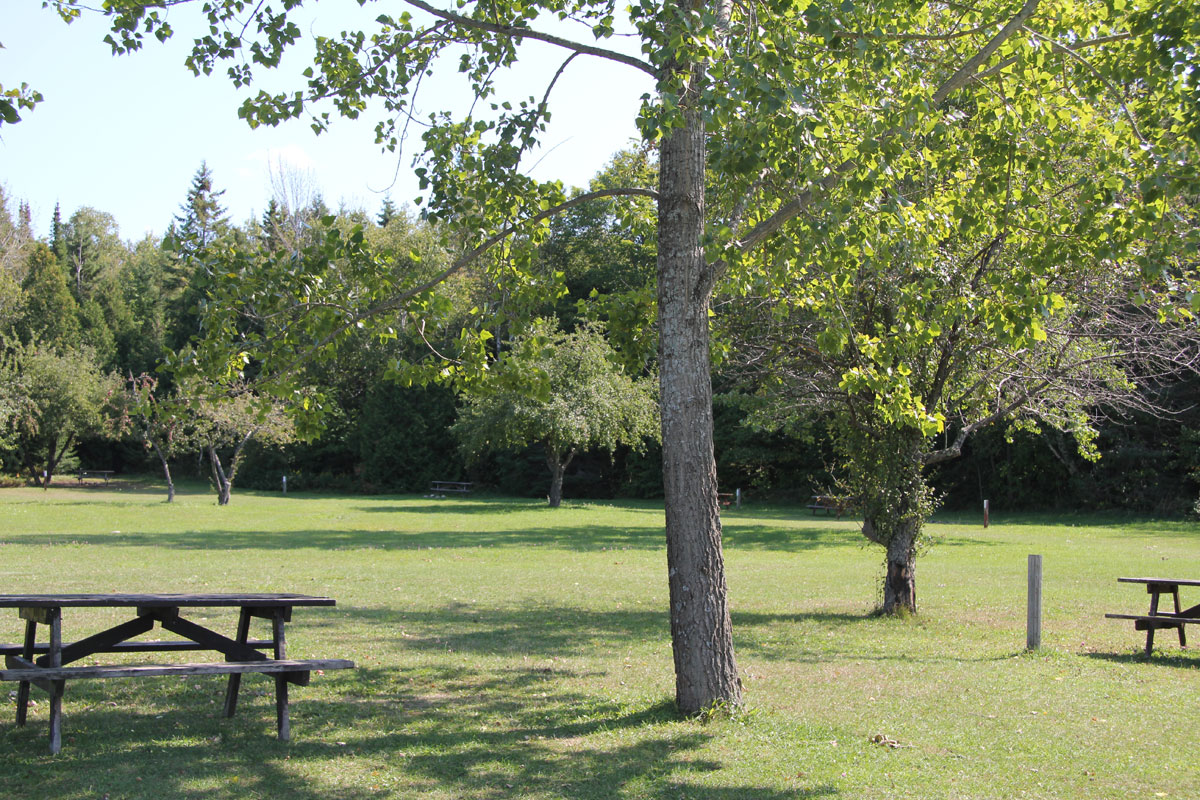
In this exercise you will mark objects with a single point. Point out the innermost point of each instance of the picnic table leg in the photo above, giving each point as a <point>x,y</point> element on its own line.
<point>281,686</point>
<point>235,680</point>
<point>1178,611</point>
<point>23,686</point>
<point>57,687</point>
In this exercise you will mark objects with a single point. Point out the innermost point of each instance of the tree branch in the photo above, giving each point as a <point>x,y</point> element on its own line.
<point>528,33</point>
<point>394,302</point>
<point>768,227</point>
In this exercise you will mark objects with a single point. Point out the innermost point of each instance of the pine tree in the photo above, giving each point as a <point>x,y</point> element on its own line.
<point>387,213</point>
<point>57,245</point>
<point>202,219</point>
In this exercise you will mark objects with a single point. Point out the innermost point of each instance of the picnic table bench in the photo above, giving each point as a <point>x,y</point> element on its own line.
<point>457,487</point>
<point>95,473</point>
<point>830,504</point>
<point>1158,620</point>
<point>44,665</point>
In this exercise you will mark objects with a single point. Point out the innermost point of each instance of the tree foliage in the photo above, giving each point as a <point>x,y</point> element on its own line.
<point>805,113</point>
<point>570,397</point>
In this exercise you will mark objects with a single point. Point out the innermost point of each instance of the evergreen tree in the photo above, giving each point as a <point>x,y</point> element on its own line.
<point>387,212</point>
<point>51,313</point>
<point>56,234</point>
<point>202,218</point>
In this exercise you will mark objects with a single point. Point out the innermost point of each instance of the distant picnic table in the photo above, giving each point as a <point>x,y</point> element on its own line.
<point>454,487</point>
<point>1156,619</point>
<point>95,473</point>
<point>830,504</point>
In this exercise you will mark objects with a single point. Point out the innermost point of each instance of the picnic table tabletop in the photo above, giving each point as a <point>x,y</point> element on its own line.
<point>1170,581</point>
<point>160,600</point>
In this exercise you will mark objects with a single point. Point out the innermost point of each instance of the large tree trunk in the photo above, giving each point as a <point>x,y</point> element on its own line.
<point>701,632</point>
<point>900,583</point>
<point>889,480</point>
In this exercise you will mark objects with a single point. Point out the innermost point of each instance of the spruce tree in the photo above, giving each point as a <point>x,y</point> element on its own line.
<point>201,219</point>
<point>387,212</point>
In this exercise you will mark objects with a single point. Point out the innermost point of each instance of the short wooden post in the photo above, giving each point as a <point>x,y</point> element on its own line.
<point>285,484</point>
<point>985,513</point>
<point>738,496</point>
<point>1033,638</point>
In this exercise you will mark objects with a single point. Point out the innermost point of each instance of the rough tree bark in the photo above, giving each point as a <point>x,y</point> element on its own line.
<point>701,631</point>
<point>896,504</point>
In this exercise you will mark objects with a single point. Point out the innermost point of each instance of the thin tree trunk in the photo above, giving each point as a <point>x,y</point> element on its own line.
<point>54,456</point>
<point>224,490</point>
<point>701,631</point>
<point>166,469</point>
<point>558,466</point>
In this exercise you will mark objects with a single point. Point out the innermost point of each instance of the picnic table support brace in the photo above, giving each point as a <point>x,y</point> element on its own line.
<point>23,686</point>
<point>56,693</point>
<point>235,680</point>
<point>281,680</point>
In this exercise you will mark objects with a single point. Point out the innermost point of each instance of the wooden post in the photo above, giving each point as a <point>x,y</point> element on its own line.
<point>285,484</point>
<point>985,513</point>
<point>1033,638</point>
<point>738,495</point>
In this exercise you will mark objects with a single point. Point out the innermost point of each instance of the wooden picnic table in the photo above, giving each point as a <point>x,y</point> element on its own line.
<point>1157,619</point>
<point>45,664</point>
<point>457,487</point>
<point>95,473</point>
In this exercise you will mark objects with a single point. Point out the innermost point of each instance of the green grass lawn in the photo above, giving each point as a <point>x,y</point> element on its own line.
<point>508,650</point>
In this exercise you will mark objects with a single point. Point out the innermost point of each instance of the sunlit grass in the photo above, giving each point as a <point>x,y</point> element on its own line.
<point>506,649</point>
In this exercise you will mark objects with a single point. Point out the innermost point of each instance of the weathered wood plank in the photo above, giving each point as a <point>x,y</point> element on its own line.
<point>285,666</point>
<point>148,646</point>
<point>43,614</point>
<point>99,642</point>
<point>235,680</point>
<point>19,663</point>
<point>211,640</point>
<point>160,600</point>
<point>1168,581</point>
<point>1165,619</point>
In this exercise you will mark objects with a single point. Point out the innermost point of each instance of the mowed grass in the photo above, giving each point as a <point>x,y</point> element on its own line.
<point>508,650</point>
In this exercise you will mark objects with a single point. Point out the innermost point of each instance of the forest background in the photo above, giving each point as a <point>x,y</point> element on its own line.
<point>117,307</point>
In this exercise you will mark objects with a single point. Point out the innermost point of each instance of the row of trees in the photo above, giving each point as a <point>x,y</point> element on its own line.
<point>953,214</point>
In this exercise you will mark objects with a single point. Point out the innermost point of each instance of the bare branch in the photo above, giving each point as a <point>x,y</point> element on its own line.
<point>527,33</point>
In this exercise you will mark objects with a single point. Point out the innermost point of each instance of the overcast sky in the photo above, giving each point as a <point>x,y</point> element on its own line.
<point>126,134</point>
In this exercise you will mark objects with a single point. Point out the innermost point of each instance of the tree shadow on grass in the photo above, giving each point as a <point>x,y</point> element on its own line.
<point>579,539</point>
<point>1177,659</point>
<point>376,733</point>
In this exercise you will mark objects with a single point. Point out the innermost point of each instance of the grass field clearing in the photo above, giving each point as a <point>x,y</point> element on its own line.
<point>509,650</point>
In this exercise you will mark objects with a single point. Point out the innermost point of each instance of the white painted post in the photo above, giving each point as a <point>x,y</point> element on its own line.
<point>985,513</point>
<point>1033,637</point>
<point>285,484</point>
<point>738,495</point>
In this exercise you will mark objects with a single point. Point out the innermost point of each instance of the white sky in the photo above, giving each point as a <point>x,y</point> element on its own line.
<point>126,134</point>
